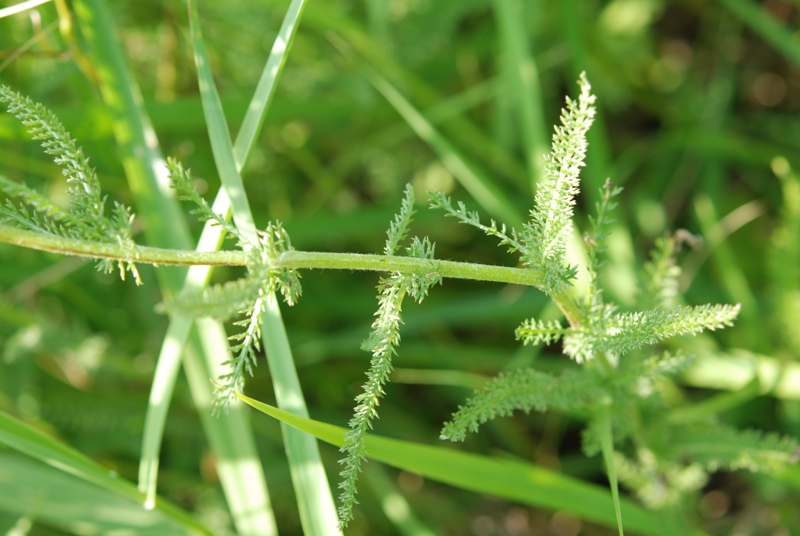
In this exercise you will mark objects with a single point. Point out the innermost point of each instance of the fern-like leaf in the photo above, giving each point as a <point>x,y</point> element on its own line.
<point>526,390</point>
<point>183,183</point>
<point>272,243</point>
<point>382,343</point>
<point>222,301</point>
<point>398,228</point>
<point>542,241</point>
<point>722,447</point>
<point>545,236</point>
<point>86,217</point>
<point>657,482</point>
<point>441,201</point>
<point>624,332</point>
<point>418,285</point>
<point>33,199</point>
<point>247,344</point>
<point>596,243</point>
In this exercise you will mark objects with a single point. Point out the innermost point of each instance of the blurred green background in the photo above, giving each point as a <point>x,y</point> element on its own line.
<point>698,120</point>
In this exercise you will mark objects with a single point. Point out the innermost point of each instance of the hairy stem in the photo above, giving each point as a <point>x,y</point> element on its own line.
<point>104,250</point>
<point>290,259</point>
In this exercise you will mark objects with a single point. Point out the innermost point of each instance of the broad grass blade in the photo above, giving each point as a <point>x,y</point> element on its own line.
<point>509,479</point>
<point>63,459</point>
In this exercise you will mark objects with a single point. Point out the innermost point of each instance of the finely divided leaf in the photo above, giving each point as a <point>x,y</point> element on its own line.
<point>624,332</point>
<point>722,447</point>
<point>526,390</point>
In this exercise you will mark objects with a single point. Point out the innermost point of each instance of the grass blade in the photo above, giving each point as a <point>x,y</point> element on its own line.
<point>219,135</point>
<point>32,442</point>
<point>607,446</point>
<point>509,479</point>
<point>257,111</point>
<point>524,84</point>
<point>731,276</point>
<point>314,498</point>
<point>315,501</point>
<point>166,373</point>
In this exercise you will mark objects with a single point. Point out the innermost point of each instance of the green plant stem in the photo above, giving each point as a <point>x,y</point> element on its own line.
<point>291,259</point>
<point>103,250</point>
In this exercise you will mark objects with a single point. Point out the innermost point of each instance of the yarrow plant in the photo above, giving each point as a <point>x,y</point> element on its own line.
<point>618,366</point>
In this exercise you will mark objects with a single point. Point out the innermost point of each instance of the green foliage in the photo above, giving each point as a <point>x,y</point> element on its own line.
<point>690,130</point>
<point>596,244</point>
<point>545,236</point>
<point>784,259</point>
<point>726,448</point>
<point>85,218</point>
<point>526,390</point>
<point>183,183</point>
<point>246,297</point>
<point>659,287</point>
<point>621,333</point>
<point>382,343</point>
<point>605,336</point>
<point>534,331</point>
<point>542,241</point>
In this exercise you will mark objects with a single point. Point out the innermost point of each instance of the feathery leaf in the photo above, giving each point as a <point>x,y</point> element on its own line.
<point>723,447</point>
<point>526,390</point>
<point>624,332</point>
<point>85,218</point>
<point>382,343</point>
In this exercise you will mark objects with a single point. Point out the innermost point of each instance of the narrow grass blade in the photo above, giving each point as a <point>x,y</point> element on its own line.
<point>761,22</point>
<point>238,462</point>
<point>21,7</point>
<point>257,111</point>
<point>479,186</point>
<point>314,498</point>
<point>509,479</point>
<point>219,135</point>
<point>169,361</point>
<point>607,447</point>
<point>524,85</point>
<point>325,18</point>
<point>242,477</point>
<point>47,496</point>
<point>32,442</point>
<point>167,366</point>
